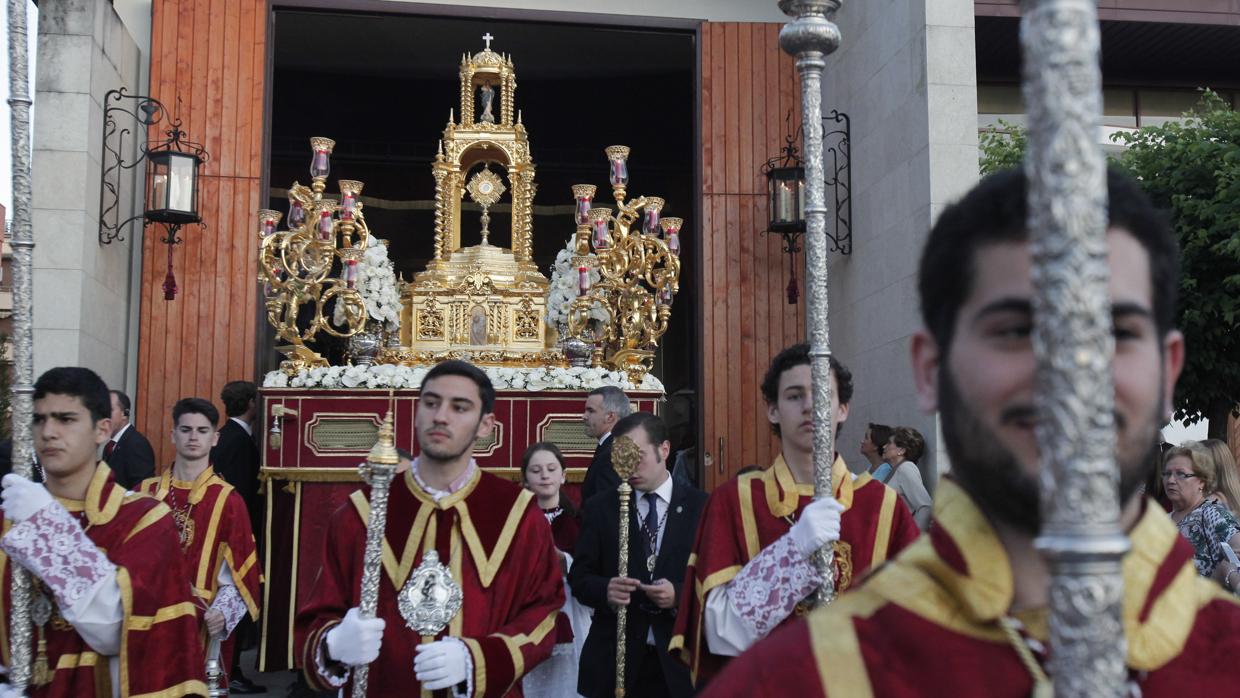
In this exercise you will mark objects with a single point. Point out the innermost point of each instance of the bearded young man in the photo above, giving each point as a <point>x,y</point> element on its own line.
<point>965,609</point>
<point>112,606</point>
<point>213,524</point>
<point>752,566</point>
<point>494,549</point>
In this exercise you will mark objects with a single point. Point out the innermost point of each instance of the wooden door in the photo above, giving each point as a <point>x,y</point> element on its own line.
<point>749,89</point>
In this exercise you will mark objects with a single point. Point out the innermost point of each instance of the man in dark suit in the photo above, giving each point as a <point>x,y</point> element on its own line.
<point>235,457</point>
<point>661,534</point>
<point>127,453</point>
<point>604,407</point>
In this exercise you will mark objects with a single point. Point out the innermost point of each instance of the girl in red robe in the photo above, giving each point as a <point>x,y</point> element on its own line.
<point>543,473</point>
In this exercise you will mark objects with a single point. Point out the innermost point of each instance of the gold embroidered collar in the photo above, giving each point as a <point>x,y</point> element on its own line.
<point>783,491</point>
<point>984,591</point>
<point>197,488</point>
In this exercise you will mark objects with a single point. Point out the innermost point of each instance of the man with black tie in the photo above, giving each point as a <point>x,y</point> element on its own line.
<point>604,407</point>
<point>127,453</point>
<point>661,535</point>
<point>235,458</point>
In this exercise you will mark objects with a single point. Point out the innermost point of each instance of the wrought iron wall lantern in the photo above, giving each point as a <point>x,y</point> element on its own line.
<point>785,182</point>
<point>172,172</point>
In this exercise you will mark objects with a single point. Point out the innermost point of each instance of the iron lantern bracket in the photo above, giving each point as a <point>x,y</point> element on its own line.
<point>837,152</point>
<point>123,114</point>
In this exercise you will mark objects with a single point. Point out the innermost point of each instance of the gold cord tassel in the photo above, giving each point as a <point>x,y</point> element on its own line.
<point>41,673</point>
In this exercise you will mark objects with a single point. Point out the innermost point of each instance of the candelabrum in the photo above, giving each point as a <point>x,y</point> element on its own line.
<point>639,273</point>
<point>298,266</point>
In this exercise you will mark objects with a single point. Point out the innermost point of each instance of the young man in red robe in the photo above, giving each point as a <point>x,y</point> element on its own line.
<point>113,611</point>
<point>489,534</point>
<point>213,523</point>
<point>751,566</point>
<point>964,610</point>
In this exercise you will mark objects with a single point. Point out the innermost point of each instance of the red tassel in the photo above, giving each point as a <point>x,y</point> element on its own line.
<point>170,281</point>
<point>792,291</point>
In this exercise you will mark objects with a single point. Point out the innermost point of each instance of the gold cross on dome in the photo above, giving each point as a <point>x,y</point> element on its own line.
<point>488,38</point>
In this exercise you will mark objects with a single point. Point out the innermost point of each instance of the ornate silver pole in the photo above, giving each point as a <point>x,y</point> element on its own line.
<point>377,471</point>
<point>214,672</point>
<point>809,39</point>
<point>1081,535</point>
<point>23,326</point>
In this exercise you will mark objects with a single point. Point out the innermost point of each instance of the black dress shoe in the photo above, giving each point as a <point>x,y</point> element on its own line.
<point>243,687</point>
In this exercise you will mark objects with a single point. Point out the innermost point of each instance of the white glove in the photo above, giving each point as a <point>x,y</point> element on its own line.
<point>440,664</point>
<point>7,691</point>
<point>22,497</point>
<point>356,640</point>
<point>819,524</point>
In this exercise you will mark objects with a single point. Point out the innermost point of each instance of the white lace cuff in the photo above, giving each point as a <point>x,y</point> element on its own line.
<point>767,589</point>
<point>228,602</point>
<point>335,677</point>
<point>53,546</point>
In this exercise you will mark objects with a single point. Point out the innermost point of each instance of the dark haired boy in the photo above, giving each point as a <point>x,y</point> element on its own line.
<point>111,601</point>
<point>975,591</point>
<point>212,522</point>
<point>751,568</point>
<point>661,532</point>
<point>489,534</point>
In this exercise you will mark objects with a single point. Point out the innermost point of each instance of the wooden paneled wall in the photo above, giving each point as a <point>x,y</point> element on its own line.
<point>211,56</point>
<point>749,86</point>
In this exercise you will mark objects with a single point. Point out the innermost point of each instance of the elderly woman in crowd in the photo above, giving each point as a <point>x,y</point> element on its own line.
<point>903,450</point>
<point>543,473</point>
<point>1191,481</point>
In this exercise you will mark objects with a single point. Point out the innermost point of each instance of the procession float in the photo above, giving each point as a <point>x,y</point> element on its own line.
<point>544,342</point>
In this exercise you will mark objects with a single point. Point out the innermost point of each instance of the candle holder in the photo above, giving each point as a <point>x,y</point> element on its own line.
<point>671,233</point>
<point>296,265</point>
<point>639,275</point>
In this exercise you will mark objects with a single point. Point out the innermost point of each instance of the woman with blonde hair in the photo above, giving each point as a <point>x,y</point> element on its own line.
<point>1190,478</point>
<point>1225,466</point>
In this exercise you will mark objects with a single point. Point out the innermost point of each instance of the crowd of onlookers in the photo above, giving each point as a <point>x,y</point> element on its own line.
<point>894,454</point>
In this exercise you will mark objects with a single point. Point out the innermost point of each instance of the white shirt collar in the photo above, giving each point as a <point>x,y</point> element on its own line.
<point>456,485</point>
<point>603,438</point>
<point>663,491</point>
<point>117,436</point>
<point>244,425</point>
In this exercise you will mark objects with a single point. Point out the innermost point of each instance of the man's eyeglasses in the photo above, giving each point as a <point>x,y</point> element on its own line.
<point>1167,474</point>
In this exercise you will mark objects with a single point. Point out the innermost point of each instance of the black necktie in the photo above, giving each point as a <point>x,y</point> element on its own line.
<point>651,524</point>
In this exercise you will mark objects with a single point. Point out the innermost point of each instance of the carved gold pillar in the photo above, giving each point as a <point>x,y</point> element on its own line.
<point>455,186</point>
<point>529,188</point>
<point>441,213</point>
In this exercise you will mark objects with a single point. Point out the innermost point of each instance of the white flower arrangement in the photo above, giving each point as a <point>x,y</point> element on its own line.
<point>391,376</point>
<point>376,284</point>
<point>564,278</point>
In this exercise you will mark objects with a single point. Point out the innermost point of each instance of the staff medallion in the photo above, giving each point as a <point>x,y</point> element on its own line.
<point>431,598</point>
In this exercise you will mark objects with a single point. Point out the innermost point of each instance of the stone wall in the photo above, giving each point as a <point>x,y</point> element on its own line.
<point>905,74</point>
<point>81,288</point>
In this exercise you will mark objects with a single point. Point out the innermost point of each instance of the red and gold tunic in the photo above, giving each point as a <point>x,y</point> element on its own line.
<point>215,530</point>
<point>159,652</point>
<point>928,623</point>
<point>497,544</point>
<point>750,512</point>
